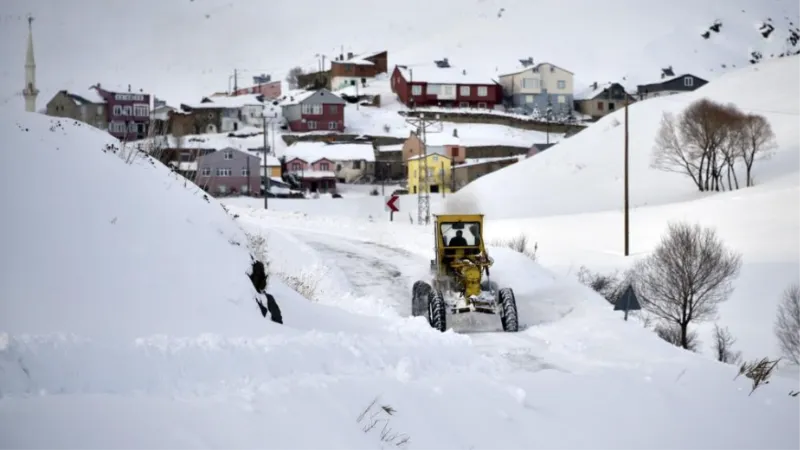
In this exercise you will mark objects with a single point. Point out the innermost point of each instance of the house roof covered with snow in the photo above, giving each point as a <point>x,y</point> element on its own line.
<point>314,151</point>
<point>592,91</point>
<point>469,162</point>
<point>390,148</point>
<point>236,102</point>
<point>519,68</point>
<point>298,96</point>
<point>360,59</point>
<point>441,139</point>
<point>444,75</point>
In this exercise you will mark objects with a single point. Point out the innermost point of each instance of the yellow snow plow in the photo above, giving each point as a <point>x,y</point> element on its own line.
<point>460,281</point>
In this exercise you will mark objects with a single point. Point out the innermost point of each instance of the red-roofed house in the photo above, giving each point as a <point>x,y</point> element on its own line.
<point>318,176</point>
<point>320,110</point>
<point>445,87</point>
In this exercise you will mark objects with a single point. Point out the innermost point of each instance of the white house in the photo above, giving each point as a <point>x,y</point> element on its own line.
<point>352,160</point>
<point>539,86</point>
<point>239,112</point>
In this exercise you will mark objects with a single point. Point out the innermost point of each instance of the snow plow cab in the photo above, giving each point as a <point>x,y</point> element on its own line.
<point>460,281</point>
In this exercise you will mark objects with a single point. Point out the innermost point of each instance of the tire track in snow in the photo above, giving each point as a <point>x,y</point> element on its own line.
<point>374,270</point>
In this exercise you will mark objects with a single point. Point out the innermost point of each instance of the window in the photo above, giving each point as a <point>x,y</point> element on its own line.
<point>528,99</point>
<point>117,110</point>
<point>600,106</point>
<point>483,91</point>
<point>312,124</point>
<point>463,105</point>
<point>296,167</point>
<point>464,90</point>
<point>223,172</point>
<point>611,106</point>
<point>100,110</point>
<point>562,84</point>
<point>228,155</point>
<point>688,81</point>
<point>244,189</point>
<point>132,128</point>
<point>314,110</point>
<point>357,165</point>
<point>434,89</point>
<point>324,167</point>
<point>333,109</point>
<point>222,188</point>
<point>562,99</point>
<point>140,110</point>
<point>206,172</point>
<point>416,90</point>
<point>530,83</point>
<point>332,126</point>
<point>126,110</point>
<point>482,105</point>
<point>454,152</point>
<point>245,172</point>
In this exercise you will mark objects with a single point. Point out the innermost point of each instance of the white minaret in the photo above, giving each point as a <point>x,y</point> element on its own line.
<point>30,92</point>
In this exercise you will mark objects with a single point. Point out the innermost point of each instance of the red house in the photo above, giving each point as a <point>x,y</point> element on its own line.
<point>445,87</point>
<point>320,110</point>
<point>318,176</point>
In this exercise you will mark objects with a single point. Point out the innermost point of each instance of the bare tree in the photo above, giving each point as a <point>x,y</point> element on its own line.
<point>673,334</point>
<point>754,140</point>
<point>293,77</point>
<point>723,346</point>
<point>787,324</point>
<point>691,143</point>
<point>686,277</point>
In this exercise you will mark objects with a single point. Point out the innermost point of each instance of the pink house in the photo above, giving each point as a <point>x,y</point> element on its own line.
<point>315,177</point>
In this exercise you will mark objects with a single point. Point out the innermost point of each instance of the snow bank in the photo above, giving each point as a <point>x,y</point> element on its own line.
<point>106,250</point>
<point>585,172</point>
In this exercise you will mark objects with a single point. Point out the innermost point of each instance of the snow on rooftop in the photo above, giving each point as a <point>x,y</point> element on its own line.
<point>592,92</point>
<point>238,101</point>
<point>305,174</point>
<point>450,75</point>
<point>390,148</point>
<point>469,162</point>
<point>441,139</point>
<point>313,151</point>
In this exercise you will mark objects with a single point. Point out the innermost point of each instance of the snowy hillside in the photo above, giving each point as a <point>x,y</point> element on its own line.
<point>127,321</point>
<point>585,172</point>
<point>598,41</point>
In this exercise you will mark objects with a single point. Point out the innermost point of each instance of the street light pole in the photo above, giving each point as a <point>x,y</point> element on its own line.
<point>625,181</point>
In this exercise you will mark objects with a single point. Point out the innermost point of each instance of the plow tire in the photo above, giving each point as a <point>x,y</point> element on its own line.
<point>508,310</point>
<point>437,311</point>
<point>420,293</point>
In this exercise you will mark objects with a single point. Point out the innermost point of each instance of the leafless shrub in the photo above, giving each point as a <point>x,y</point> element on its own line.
<point>787,324</point>
<point>519,243</point>
<point>378,417</point>
<point>759,371</point>
<point>257,244</point>
<point>688,275</point>
<point>673,334</point>
<point>723,346</point>
<point>305,283</point>
<point>610,285</point>
<point>706,141</point>
<point>754,140</point>
<point>292,78</point>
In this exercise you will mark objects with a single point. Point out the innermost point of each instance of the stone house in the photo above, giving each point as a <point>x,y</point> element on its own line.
<point>600,99</point>
<point>472,169</point>
<point>88,107</point>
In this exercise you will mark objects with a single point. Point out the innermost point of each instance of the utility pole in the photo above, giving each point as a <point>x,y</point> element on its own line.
<point>235,81</point>
<point>423,127</point>
<point>625,182</point>
<point>266,174</point>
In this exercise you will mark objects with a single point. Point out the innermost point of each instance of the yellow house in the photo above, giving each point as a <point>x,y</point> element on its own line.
<point>439,173</point>
<point>273,166</point>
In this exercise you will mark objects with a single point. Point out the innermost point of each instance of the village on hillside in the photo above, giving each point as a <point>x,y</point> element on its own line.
<point>355,119</point>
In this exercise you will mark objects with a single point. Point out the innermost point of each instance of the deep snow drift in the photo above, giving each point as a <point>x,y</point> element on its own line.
<point>128,321</point>
<point>585,172</point>
<point>598,41</point>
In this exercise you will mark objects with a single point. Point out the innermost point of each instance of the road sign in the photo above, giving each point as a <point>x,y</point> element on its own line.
<point>627,302</point>
<point>391,203</point>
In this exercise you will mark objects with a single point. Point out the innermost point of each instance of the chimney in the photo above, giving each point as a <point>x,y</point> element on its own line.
<point>129,88</point>
<point>464,72</point>
<point>594,85</point>
<point>349,55</point>
<point>455,132</point>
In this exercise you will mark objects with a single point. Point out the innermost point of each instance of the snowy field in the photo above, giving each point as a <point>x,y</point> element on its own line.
<point>579,220</point>
<point>142,332</point>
